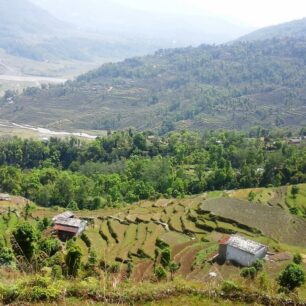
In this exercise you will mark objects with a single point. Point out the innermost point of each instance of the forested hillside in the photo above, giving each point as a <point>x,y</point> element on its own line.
<point>126,167</point>
<point>234,86</point>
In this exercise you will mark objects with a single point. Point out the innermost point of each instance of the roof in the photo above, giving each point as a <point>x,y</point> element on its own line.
<point>243,244</point>
<point>4,196</point>
<point>64,228</point>
<point>64,215</point>
<point>295,140</point>
<point>71,222</point>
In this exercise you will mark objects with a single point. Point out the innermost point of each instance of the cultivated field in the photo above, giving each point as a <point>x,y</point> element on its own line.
<point>190,227</point>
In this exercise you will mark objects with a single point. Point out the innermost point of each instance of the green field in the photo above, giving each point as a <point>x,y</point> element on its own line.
<point>190,227</point>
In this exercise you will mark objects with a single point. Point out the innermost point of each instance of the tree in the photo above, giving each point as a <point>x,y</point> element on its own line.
<point>72,205</point>
<point>24,240</point>
<point>294,191</point>
<point>6,255</point>
<point>165,257</point>
<point>173,267</point>
<point>73,259</point>
<point>292,276</point>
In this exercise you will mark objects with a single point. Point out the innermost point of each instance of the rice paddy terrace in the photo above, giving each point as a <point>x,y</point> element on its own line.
<point>191,227</point>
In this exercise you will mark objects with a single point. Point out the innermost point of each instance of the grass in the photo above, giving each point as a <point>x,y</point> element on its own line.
<point>299,201</point>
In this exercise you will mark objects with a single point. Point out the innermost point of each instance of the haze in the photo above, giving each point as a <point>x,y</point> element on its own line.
<point>258,13</point>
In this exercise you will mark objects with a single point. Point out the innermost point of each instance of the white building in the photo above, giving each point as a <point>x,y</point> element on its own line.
<point>241,250</point>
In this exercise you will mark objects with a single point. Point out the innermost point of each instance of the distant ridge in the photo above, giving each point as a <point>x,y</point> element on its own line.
<point>296,28</point>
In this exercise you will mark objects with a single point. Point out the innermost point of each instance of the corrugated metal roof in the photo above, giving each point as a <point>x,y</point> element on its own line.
<point>72,222</point>
<point>244,244</point>
<point>64,215</point>
<point>63,228</point>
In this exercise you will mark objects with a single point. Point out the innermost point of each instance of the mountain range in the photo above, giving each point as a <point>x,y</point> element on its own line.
<point>257,80</point>
<point>56,38</point>
<point>233,86</point>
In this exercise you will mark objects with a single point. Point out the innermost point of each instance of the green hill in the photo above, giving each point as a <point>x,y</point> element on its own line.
<point>228,86</point>
<point>296,28</point>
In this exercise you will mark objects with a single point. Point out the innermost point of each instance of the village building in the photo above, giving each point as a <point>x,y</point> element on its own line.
<point>295,141</point>
<point>5,197</point>
<point>67,226</point>
<point>240,250</point>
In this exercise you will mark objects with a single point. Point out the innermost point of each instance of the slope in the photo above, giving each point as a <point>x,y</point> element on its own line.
<point>32,41</point>
<point>234,86</point>
<point>296,28</point>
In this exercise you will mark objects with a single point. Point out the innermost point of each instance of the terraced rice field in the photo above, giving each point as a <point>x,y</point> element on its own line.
<point>190,227</point>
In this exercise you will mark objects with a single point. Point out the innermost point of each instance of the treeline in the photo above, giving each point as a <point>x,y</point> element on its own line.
<point>125,167</point>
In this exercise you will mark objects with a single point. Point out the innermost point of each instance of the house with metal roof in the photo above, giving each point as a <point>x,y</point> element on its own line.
<point>63,216</point>
<point>67,226</point>
<point>240,250</point>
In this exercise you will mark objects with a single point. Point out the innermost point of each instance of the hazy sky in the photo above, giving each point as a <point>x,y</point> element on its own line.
<point>257,13</point>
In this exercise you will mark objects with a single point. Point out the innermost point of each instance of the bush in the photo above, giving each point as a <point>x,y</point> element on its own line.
<point>248,272</point>
<point>297,259</point>
<point>39,289</point>
<point>50,246</point>
<point>73,259</point>
<point>258,265</point>
<point>292,276</point>
<point>9,294</point>
<point>165,257</point>
<point>114,268</point>
<point>86,240</point>
<point>229,287</point>
<point>160,272</point>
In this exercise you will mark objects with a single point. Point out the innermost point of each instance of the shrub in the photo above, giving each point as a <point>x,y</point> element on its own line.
<point>39,289</point>
<point>6,255</point>
<point>86,240</point>
<point>248,272</point>
<point>56,272</point>
<point>24,240</point>
<point>258,265</point>
<point>297,259</point>
<point>294,191</point>
<point>161,244</point>
<point>165,257</point>
<point>229,287</point>
<point>114,268</point>
<point>160,272</point>
<point>73,259</point>
<point>129,269</point>
<point>8,294</point>
<point>292,276</point>
<point>50,246</point>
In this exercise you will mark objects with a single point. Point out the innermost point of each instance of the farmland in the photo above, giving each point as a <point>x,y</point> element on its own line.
<point>190,226</point>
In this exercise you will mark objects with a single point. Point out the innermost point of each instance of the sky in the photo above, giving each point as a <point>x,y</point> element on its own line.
<point>259,13</point>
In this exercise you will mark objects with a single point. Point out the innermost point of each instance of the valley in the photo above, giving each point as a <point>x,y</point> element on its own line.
<point>152,153</point>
